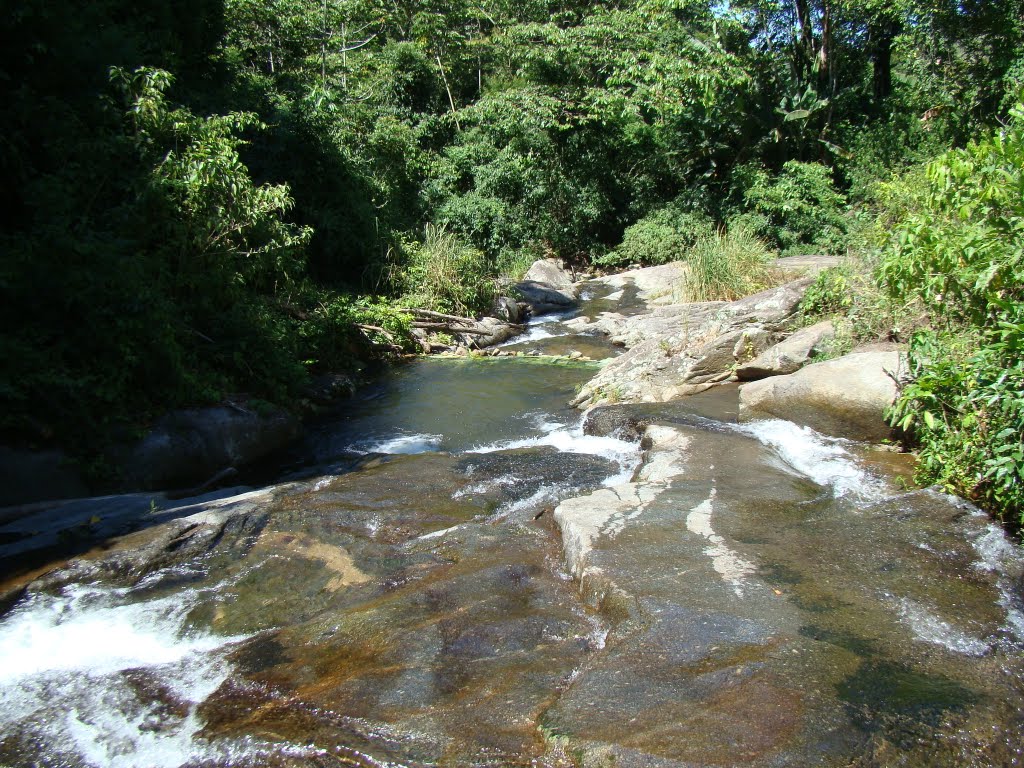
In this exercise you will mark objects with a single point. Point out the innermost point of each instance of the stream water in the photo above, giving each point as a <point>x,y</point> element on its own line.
<point>406,600</point>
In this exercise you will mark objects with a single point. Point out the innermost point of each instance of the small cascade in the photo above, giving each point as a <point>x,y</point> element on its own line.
<point>827,461</point>
<point>102,677</point>
<point>463,575</point>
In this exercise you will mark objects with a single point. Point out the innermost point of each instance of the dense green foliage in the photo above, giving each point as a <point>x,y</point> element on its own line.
<point>224,196</point>
<point>798,210</point>
<point>664,235</point>
<point>959,252</point>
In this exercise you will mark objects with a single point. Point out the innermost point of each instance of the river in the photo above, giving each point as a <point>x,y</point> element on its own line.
<point>452,571</point>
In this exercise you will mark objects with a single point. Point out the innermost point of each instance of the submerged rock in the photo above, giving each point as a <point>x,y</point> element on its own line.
<point>746,623</point>
<point>846,397</point>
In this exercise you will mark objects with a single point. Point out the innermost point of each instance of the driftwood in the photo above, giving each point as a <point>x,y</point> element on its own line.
<point>438,322</point>
<point>392,344</point>
<point>452,328</point>
<point>376,329</point>
<point>184,493</point>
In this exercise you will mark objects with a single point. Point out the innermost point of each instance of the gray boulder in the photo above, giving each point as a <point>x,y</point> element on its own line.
<point>679,350</point>
<point>716,361</point>
<point>646,287</point>
<point>789,355</point>
<point>547,287</point>
<point>491,331</point>
<point>508,309</point>
<point>846,397</point>
<point>187,447</point>
<point>27,476</point>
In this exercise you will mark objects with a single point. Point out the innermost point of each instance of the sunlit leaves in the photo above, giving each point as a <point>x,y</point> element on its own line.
<point>226,228</point>
<point>960,252</point>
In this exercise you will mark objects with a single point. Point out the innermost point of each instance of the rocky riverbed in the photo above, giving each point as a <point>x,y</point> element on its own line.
<point>463,569</point>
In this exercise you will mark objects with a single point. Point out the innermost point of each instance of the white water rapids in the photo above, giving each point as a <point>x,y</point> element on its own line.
<point>109,680</point>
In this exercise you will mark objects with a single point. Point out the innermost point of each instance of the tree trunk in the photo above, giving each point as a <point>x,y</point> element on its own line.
<point>804,43</point>
<point>881,35</point>
<point>826,58</point>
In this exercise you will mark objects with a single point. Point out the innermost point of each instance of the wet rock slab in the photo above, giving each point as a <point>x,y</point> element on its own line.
<point>760,620</point>
<point>409,610</point>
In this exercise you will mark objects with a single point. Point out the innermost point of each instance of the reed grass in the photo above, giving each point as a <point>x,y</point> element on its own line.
<point>729,264</point>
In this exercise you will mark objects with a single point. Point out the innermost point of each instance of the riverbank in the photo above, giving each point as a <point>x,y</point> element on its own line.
<point>471,573</point>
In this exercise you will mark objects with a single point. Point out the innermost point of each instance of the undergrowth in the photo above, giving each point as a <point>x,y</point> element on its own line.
<point>729,264</point>
<point>958,251</point>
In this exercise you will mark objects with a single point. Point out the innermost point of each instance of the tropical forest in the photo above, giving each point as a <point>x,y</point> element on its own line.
<point>590,540</point>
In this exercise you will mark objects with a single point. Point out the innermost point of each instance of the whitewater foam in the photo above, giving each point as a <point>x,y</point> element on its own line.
<point>997,554</point>
<point>76,666</point>
<point>402,444</point>
<point>817,457</point>
<point>929,628</point>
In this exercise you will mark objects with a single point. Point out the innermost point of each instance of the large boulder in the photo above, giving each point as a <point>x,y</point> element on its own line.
<point>27,476</point>
<point>491,331</point>
<point>716,361</point>
<point>845,397</point>
<point>647,286</point>
<point>187,447</point>
<point>679,350</point>
<point>790,355</point>
<point>547,287</point>
<point>508,309</point>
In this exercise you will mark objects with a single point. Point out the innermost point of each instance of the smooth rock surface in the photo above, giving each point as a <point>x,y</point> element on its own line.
<point>547,287</point>
<point>747,595</point>
<point>788,355</point>
<point>743,634</point>
<point>846,397</point>
<point>187,447</point>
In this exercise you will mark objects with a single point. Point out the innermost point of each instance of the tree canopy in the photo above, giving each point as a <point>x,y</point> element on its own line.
<point>210,197</point>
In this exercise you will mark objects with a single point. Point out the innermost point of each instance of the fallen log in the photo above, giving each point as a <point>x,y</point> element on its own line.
<point>431,315</point>
<point>450,328</point>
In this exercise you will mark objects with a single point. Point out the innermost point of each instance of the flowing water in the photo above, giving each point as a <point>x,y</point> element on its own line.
<point>768,597</point>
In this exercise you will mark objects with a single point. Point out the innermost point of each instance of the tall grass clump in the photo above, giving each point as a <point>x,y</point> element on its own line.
<point>446,274</point>
<point>729,264</point>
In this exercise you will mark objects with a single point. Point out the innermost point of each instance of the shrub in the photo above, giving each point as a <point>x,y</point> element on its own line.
<point>727,265</point>
<point>960,246</point>
<point>659,237</point>
<point>799,210</point>
<point>959,251</point>
<point>446,274</point>
<point>878,151</point>
<point>850,294</point>
<point>340,329</point>
<point>965,412</point>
